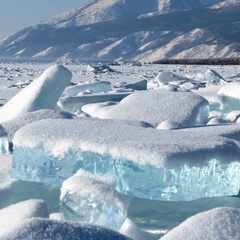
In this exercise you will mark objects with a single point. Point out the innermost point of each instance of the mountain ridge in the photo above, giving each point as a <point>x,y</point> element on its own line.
<point>210,31</point>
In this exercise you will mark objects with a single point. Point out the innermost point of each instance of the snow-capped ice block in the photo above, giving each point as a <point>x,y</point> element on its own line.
<point>48,229</point>
<point>182,164</point>
<point>15,214</point>
<point>13,125</point>
<point>218,223</point>
<point>74,104</point>
<point>42,93</point>
<point>166,77</point>
<point>4,145</point>
<point>210,76</point>
<point>230,97</point>
<point>97,87</point>
<point>93,199</point>
<point>184,108</point>
<point>139,85</point>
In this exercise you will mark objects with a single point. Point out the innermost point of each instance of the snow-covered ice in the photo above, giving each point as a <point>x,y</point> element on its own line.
<point>93,199</point>
<point>181,164</point>
<point>98,86</point>
<point>42,93</point>
<point>176,141</point>
<point>185,108</point>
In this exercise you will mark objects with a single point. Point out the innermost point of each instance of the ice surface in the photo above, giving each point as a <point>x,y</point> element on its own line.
<point>47,229</point>
<point>93,199</point>
<point>13,191</point>
<point>219,223</point>
<point>14,215</point>
<point>165,215</point>
<point>97,87</point>
<point>185,108</point>
<point>42,93</point>
<point>182,164</point>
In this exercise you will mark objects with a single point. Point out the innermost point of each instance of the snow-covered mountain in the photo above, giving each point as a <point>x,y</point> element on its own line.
<point>132,30</point>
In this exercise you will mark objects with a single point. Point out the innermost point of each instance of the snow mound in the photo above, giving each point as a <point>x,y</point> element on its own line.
<point>42,93</point>
<point>184,108</point>
<point>14,215</point>
<point>47,229</point>
<point>219,223</point>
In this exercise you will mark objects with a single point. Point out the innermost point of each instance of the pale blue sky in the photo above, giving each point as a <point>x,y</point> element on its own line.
<point>17,14</point>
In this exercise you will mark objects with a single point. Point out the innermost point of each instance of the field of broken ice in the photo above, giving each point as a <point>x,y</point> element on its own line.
<point>119,151</point>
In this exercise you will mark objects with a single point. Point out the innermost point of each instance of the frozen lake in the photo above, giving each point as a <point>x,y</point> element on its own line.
<point>155,145</point>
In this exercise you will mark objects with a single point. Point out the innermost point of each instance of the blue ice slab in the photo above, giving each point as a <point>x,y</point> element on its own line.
<point>183,164</point>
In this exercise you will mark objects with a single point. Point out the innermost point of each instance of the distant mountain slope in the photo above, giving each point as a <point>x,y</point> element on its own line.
<point>133,30</point>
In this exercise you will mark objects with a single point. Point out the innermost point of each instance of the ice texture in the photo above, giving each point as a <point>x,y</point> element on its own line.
<point>219,223</point>
<point>155,106</point>
<point>182,164</point>
<point>93,199</point>
<point>42,93</point>
<point>96,87</point>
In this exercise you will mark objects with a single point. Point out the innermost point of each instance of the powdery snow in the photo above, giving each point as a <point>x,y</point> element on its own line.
<point>219,223</point>
<point>13,216</point>
<point>158,105</point>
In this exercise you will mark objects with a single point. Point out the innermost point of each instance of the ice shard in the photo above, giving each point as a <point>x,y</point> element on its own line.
<point>93,199</point>
<point>42,93</point>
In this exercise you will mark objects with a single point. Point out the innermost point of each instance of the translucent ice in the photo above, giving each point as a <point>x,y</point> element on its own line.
<point>42,93</point>
<point>97,87</point>
<point>93,199</point>
<point>74,104</point>
<point>182,164</point>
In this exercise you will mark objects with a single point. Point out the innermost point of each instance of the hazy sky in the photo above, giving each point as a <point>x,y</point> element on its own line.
<point>17,14</point>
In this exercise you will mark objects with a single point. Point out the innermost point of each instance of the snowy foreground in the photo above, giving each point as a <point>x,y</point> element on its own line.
<point>119,151</point>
